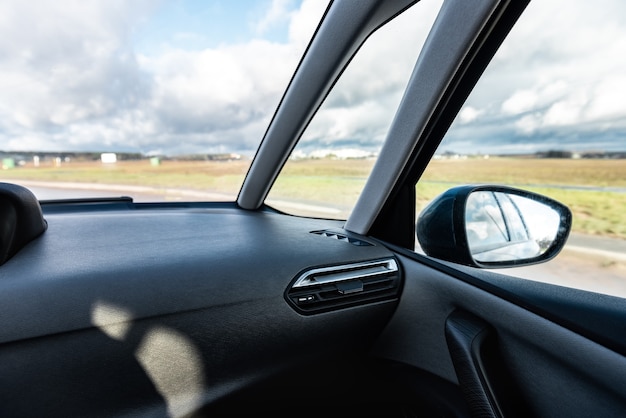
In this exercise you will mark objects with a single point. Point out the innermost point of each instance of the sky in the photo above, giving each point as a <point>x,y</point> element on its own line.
<point>196,76</point>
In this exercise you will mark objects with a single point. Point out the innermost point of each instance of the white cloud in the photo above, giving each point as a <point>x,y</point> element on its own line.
<point>65,64</point>
<point>278,12</point>
<point>558,74</point>
<point>528,124</point>
<point>609,99</point>
<point>304,21</point>
<point>364,122</point>
<point>565,112</point>
<point>360,108</point>
<point>469,114</point>
<point>70,78</point>
<point>520,102</point>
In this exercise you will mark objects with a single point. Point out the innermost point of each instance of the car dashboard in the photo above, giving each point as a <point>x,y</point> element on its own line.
<point>144,307</point>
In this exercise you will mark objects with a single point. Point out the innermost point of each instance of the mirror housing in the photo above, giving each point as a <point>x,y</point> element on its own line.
<point>491,226</point>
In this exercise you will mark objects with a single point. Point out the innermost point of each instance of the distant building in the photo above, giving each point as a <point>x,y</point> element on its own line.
<point>108,157</point>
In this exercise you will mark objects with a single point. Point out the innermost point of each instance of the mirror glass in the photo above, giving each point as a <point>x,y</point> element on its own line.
<point>507,227</point>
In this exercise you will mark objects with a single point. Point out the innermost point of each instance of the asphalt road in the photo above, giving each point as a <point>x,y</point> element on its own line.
<point>587,262</point>
<point>53,191</point>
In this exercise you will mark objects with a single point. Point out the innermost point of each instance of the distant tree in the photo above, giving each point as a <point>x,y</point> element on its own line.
<point>555,154</point>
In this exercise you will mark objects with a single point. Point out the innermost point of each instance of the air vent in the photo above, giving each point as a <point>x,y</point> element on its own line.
<point>328,288</point>
<point>342,237</point>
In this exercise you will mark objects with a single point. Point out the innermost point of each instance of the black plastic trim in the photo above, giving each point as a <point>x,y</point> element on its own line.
<point>600,318</point>
<point>468,75</point>
<point>465,336</point>
<point>332,296</point>
<point>125,204</point>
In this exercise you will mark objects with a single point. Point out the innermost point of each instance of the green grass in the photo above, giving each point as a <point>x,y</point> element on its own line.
<point>597,173</point>
<point>594,212</point>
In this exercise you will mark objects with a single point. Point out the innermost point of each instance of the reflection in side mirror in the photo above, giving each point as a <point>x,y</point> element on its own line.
<point>493,227</point>
<point>507,227</point>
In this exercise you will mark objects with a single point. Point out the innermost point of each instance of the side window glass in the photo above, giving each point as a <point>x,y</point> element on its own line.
<point>548,116</point>
<point>334,157</point>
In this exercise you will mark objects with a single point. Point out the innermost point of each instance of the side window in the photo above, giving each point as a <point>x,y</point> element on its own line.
<point>548,116</point>
<point>332,161</point>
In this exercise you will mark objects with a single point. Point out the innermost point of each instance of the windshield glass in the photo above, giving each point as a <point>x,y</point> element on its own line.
<point>158,100</point>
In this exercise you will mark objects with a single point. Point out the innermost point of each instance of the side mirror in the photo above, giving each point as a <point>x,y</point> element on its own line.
<point>493,227</point>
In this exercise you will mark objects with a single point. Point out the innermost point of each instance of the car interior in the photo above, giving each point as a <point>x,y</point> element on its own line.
<point>111,307</point>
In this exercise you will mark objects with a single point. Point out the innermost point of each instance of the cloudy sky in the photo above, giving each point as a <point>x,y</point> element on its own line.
<point>198,76</point>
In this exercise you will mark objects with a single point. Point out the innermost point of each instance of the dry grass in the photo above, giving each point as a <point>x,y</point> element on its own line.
<point>596,212</point>
<point>597,173</point>
<point>340,182</point>
<point>201,175</point>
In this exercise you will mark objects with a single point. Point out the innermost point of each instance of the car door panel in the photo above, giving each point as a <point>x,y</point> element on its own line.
<point>553,370</point>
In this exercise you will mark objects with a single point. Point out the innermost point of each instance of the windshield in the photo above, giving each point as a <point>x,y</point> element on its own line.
<point>169,100</point>
<point>159,100</point>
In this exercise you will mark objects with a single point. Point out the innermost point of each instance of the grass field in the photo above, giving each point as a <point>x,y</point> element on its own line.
<point>339,182</point>
<point>595,212</point>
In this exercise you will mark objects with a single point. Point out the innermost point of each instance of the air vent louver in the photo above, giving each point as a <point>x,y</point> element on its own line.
<point>342,237</point>
<point>329,288</point>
